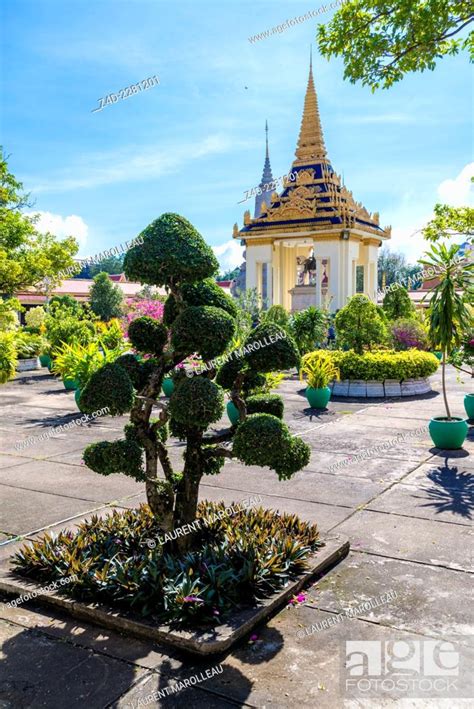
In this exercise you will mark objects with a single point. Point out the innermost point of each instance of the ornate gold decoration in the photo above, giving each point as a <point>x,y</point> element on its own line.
<point>305,177</point>
<point>311,146</point>
<point>247,219</point>
<point>235,231</point>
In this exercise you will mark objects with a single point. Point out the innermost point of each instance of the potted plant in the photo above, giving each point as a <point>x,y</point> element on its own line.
<point>8,357</point>
<point>28,347</point>
<point>449,318</point>
<point>463,360</point>
<point>319,371</point>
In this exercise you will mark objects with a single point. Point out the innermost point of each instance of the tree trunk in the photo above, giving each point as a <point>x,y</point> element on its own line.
<point>158,493</point>
<point>188,490</point>
<point>443,380</point>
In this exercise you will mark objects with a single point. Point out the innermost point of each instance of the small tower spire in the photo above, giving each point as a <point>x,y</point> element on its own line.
<point>267,178</point>
<point>311,146</point>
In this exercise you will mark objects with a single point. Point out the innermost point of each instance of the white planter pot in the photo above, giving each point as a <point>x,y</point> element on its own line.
<point>392,387</point>
<point>357,387</point>
<point>375,388</point>
<point>26,365</point>
<point>409,387</point>
<point>341,388</point>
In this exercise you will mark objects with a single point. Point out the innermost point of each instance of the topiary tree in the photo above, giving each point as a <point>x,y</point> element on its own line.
<point>106,298</point>
<point>199,319</point>
<point>308,327</point>
<point>398,304</point>
<point>359,324</point>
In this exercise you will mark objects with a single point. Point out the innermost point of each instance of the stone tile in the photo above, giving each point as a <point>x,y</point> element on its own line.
<point>31,510</point>
<point>8,461</point>
<point>284,670</point>
<point>69,481</point>
<point>56,624</point>
<point>428,542</point>
<point>421,591</point>
<point>305,485</point>
<point>433,502</point>
<point>40,672</point>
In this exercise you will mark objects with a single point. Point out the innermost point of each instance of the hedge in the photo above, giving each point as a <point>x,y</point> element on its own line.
<point>382,365</point>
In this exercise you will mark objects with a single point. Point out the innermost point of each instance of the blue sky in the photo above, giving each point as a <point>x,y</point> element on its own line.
<point>194,143</point>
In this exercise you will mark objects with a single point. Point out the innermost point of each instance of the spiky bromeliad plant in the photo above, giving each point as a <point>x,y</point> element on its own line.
<point>448,311</point>
<point>198,319</point>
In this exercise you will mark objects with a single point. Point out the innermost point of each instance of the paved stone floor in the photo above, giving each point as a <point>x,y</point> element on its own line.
<point>407,511</point>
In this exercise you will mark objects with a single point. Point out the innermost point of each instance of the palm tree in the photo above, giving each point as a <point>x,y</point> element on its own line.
<point>448,314</point>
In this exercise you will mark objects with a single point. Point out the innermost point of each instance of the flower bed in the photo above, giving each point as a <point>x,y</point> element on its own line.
<point>382,365</point>
<point>234,561</point>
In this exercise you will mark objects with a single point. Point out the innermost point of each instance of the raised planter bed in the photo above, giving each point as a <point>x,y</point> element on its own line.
<point>200,642</point>
<point>28,365</point>
<point>382,389</point>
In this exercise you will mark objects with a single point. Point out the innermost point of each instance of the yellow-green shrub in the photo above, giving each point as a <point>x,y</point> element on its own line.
<point>411,364</point>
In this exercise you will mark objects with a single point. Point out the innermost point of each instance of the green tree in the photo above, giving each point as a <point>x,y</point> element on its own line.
<point>450,222</point>
<point>26,256</point>
<point>308,327</point>
<point>111,264</point>
<point>448,313</point>
<point>106,298</point>
<point>360,324</point>
<point>381,41</point>
<point>395,267</point>
<point>397,304</point>
<point>201,320</point>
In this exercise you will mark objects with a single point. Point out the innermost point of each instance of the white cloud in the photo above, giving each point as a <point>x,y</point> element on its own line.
<point>229,254</point>
<point>62,226</point>
<point>460,191</point>
<point>98,169</point>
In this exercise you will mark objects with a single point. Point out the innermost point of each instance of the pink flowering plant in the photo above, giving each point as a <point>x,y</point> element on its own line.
<point>408,333</point>
<point>141,308</point>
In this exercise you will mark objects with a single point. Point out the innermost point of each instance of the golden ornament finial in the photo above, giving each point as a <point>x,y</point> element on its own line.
<point>247,217</point>
<point>310,142</point>
<point>235,231</point>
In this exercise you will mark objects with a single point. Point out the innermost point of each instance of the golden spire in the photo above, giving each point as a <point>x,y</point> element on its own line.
<point>311,146</point>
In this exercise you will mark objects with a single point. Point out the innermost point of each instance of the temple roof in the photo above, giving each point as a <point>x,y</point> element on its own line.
<point>316,200</point>
<point>267,178</point>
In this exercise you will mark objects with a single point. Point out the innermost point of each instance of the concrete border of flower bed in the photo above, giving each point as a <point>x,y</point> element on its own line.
<point>200,642</point>
<point>360,388</point>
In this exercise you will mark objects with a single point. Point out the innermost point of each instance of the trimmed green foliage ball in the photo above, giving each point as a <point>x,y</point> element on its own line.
<point>294,457</point>
<point>269,348</point>
<point>228,372</point>
<point>172,250</point>
<point>110,387</point>
<point>207,292</point>
<point>264,440</point>
<point>265,404</point>
<point>112,457</point>
<point>147,335</point>
<point>203,329</point>
<point>197,402</point>
<point>260,439</point>
<point>132,366</point>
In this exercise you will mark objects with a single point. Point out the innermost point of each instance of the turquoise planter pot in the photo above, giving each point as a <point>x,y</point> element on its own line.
<point>167,386</point>
<point>448,435</point>
<point>45,360</point>
<point>438,355</point>
<point>70,384</point>
<point>318,398</point>
<point>233,413</point>
<point>77,395</point>
<point>469,405</point>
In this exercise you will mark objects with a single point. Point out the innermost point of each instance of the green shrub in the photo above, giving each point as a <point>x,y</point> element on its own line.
<point>8,357</point>
<point>112,457</point>
<point>397,304</point>
<point>379,366</point>
<point>205,330</point>
<point>239,556</point>
<point>278,315</point>
<point>228,372</point>
<point>308,328</point>
<point>270,348</point>
<point>147,335</point>
<point>28,344</point>
<point>197,402</point>
<point>172,250</point>
<point>262,439</point>
<point>265,404</point>
<point>109,387</point>
<point>207,292</point>
<point>359,324</point>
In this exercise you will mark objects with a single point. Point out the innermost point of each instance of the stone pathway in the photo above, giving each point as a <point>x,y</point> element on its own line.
<point>407,511</point>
